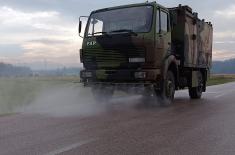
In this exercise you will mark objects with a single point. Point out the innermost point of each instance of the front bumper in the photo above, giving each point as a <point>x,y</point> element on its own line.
<point>144,76</point>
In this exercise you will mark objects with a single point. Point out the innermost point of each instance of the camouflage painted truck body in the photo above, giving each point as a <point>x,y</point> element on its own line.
<point>176,41</point>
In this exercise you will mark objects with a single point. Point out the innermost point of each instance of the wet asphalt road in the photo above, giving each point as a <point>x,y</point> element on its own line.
<point>203,127</point>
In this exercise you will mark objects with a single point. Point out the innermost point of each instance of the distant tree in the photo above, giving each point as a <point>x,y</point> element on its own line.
<point>65,71</point>
<point>224,67</point>
<point>10,70</point>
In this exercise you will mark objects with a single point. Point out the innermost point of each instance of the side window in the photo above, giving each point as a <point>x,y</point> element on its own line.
<point>157,22</point>
<point>94,27</point>
<point>164,21</point>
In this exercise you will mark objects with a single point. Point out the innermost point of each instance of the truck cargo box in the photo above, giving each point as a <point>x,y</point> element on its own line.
<point>191,38</point>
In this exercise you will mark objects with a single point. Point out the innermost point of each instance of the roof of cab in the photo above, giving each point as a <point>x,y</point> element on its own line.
<point>125,6</point>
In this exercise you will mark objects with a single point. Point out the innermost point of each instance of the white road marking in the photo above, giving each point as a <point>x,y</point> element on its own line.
<point>70,147</point>
<point>224,93</point>
<point>220,95</point>
<point>211,92</point>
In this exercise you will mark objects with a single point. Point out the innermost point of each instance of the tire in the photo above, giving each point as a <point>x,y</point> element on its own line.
<point>102,94</point>
<point>167,94</point>
<point>196,92</point>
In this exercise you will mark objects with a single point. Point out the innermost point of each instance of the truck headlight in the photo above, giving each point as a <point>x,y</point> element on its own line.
<point>140,75</point>
<point>136,60</point>
<point>86,74</point>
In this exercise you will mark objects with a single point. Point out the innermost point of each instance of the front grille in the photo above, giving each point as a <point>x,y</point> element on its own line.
<point>94,59</point>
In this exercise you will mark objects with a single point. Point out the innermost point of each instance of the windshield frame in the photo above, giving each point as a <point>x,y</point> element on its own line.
<point>118,8</point>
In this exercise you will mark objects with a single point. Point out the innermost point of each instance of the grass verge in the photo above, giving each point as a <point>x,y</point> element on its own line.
<point>220,79</point>
<point>16,92</point>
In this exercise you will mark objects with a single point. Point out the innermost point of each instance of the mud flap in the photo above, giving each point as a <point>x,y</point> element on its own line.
<point>194,79</point>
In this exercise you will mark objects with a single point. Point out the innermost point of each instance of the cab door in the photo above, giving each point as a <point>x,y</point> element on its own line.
<point>163,34</point>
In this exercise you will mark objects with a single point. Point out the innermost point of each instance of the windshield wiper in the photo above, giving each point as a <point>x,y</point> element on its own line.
<point>99,33</point>
<point>103,33</point>
<point>125,30</point>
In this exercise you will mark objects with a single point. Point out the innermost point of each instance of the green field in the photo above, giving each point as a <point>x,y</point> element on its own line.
<point>16,92</point>
<point>220,79</point>
<point>22,91</point>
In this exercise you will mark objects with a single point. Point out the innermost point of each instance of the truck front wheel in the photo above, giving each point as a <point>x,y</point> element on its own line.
<point>168,92</point>
<point>196,92</point>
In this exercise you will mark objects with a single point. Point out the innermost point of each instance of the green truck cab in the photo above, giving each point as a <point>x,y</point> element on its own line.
<point>147,45</point>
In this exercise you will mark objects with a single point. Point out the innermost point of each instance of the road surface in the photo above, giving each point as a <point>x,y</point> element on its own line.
<point>204,127</point>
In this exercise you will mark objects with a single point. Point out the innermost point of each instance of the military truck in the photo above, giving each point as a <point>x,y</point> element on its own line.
<point>146,45</point>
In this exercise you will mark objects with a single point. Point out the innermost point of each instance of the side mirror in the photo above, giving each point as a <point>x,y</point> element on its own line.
<point>82,25</point>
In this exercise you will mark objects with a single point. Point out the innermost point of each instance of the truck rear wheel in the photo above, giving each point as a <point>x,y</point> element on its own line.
<point>168,92</point>
<point>196,92</point>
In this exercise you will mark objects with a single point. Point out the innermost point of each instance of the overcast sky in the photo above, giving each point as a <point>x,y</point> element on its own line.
<point>39,32</point>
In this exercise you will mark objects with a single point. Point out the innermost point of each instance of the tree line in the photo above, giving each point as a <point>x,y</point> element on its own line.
<point>7,70</point>
<point>223,67</point>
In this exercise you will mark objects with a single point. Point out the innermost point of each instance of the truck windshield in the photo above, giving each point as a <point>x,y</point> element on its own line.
<point>134,19</point>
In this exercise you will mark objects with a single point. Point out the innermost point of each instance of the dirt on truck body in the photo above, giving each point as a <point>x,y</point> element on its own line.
<point>148,45</point>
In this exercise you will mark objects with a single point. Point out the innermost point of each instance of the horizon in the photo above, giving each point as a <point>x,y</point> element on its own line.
<point>39,33</point>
